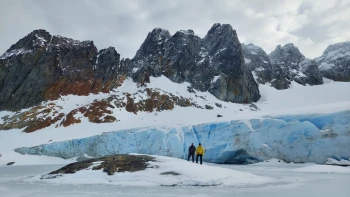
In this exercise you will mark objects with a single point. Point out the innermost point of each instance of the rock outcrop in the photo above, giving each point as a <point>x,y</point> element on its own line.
<point>283,65</point>
<point>335,62</point>
<point>258,62</point>
<point>214,63</point>
<point>288,64</point>
<point>109,164</point>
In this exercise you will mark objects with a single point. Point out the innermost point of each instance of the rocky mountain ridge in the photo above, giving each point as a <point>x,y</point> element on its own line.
<point>281,66</point>
<point>334,63</point>
<point>42,67</point>
<point>286,64</point>
<point>214,63</point>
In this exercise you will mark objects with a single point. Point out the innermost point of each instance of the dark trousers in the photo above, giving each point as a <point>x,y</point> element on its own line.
<point>189,155</point>
<point>199,155</point>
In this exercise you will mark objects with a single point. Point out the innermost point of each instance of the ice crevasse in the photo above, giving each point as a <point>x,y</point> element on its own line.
<point>293,138</point>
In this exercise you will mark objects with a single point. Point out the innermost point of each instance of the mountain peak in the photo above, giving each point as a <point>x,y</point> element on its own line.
<point>252,47</point>
<point>218,28</point>
<point>289,45</point>
<point>36,38</point>
<point>186,32</point>
<point>221,37</point>
<point>338,47</point>
<point>215,25</point>
<point>287,52</point>
<point>158,34</point>
<point>40,38</point>
<point>40,32</point>
<point>153,41</point>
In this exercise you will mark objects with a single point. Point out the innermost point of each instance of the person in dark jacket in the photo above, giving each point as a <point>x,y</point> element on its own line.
<point>191,152</point>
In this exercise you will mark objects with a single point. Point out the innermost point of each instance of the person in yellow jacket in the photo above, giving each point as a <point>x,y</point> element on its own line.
<point>199,153</point>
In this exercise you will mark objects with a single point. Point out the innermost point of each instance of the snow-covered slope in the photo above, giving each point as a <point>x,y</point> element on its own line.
<point>327,98</point>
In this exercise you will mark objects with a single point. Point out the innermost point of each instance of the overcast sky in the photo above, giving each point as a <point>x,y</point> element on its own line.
<point>311,25</point>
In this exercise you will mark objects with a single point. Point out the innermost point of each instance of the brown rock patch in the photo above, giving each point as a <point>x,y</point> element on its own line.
<point>95,112</point>
<point>110,164</point>
<point>81,88</point>
<point>156,101</point>
<point>34,119</point>
<point>42,123</point>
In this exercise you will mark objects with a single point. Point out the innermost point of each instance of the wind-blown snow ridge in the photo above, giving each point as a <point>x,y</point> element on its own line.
<point>295,138</point>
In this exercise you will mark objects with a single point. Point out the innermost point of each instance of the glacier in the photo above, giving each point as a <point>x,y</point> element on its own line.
<point>292,138</point>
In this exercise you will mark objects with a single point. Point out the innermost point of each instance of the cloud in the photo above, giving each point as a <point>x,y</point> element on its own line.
<point>311,25</point>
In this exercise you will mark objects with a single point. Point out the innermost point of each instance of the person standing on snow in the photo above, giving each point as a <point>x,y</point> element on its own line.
<point>200,153</point>
<point>191,152</point>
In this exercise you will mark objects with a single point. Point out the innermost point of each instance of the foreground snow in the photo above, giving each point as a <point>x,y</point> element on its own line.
<point>290,183</point>
<point>190,174</point>
<point>324,168</point>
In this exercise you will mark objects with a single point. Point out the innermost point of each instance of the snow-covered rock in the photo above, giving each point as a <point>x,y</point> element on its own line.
<point>293,138</point>
<point>283,65</point>
<point>258,62</point>
<point>335,62</point>
<point>288,64</point>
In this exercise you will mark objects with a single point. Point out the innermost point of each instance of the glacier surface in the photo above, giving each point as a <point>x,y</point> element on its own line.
<point>293,138</point>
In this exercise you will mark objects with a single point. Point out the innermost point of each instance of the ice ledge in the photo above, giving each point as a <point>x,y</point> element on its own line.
<point>293,138</point>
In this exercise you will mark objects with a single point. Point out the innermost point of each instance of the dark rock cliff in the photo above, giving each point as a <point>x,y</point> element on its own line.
<point>283,65</point>
<point>289,64</point>
<point>258,61</point>
<point>214,63</point>
<point>42,67</point>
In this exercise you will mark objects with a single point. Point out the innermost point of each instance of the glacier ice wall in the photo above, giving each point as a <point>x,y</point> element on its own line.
<point>294,138</point>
